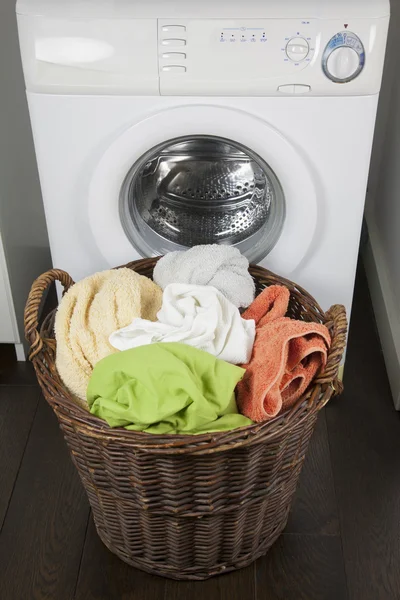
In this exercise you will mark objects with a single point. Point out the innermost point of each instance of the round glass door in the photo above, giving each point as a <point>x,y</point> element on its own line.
<point>202,190</point>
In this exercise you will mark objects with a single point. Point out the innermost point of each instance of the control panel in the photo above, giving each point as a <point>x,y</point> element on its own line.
<point>228,50</point>
<point>205,57</point>
<point>295,49</point>
<point>270,56</point>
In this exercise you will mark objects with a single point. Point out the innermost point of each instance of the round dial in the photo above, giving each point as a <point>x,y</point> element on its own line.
<point>297,49</point>
<point>343,63</point>
<point>343,58</point>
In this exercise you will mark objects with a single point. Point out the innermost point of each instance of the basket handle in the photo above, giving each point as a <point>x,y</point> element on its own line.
<point>337,324</point>
<point>31,315</point>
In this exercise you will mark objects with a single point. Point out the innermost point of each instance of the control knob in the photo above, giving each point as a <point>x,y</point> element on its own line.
<point>297,49</point>
<point>343,58</point>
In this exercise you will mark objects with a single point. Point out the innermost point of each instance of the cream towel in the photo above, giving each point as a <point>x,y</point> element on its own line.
<point>223,267</point>
<point>196,315</point>
<point>89,312</point>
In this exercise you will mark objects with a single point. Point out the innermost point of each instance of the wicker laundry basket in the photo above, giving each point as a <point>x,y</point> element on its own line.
<point>179,506</point>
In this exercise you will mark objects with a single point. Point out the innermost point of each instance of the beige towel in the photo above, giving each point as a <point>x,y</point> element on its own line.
<point>87,315</point>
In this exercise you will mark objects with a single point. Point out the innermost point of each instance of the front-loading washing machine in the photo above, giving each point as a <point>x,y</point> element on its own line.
<point>159,125</point>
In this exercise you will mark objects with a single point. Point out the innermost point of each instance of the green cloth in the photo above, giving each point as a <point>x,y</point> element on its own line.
<point>166,388</point>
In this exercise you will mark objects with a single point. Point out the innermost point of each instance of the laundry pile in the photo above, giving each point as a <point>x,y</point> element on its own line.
<point>176,355</point>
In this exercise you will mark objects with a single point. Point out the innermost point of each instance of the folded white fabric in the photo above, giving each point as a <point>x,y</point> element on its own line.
<point>223,267</point>
<point>199,316</point>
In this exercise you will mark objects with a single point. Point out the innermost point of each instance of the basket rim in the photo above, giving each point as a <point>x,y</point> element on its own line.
<point>70,413</point>
<point>94,427</point>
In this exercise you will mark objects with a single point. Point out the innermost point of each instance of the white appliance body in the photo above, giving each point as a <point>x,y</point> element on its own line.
<point>298,86</point>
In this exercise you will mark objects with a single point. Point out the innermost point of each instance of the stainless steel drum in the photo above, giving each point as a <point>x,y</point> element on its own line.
<point>202,190</point>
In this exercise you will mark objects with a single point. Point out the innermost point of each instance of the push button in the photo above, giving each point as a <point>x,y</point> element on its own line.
<point>286,89</point>
<point>174,69</point>
<point>302,89</point>
<point>171,42</point>
<point>174,56</point>
<point>174,28</point>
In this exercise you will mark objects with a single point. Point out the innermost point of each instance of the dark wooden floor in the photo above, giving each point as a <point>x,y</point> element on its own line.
<point>342,541</point>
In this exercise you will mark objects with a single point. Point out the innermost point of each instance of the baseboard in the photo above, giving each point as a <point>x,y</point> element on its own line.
<point>386,311</point>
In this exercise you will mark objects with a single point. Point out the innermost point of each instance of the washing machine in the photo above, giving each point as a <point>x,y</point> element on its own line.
<point>160,125</point>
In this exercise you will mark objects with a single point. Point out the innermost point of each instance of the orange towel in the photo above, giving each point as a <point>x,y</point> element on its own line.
<point>287,355</point>
<point>271,304</point>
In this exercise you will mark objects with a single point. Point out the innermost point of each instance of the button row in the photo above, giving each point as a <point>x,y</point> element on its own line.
<point>173,37</point>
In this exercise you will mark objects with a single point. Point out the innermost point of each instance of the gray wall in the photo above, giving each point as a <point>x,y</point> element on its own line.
<point>22,221</point>
<point>382,255</point>
<point>383,207</point>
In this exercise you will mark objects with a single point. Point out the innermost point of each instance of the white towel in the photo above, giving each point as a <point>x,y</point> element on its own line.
<point>223,267</point>
<point>199,316</point>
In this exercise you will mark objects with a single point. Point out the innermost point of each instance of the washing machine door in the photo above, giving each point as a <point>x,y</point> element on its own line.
<point>201,175</point>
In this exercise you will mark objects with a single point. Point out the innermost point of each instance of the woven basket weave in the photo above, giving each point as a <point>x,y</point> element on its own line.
<point>188,507</point>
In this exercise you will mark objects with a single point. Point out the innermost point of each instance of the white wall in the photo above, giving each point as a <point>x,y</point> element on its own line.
<point>382,256</point>
<point>22,222</point>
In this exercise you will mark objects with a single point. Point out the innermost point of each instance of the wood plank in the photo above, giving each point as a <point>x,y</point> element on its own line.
<point>315,507</point>
<point>42,539</point>
<point>17,410</point>
<point>103,576</point>
<point>239,585</point>
<point>364,432</point>
<point>13,372</point>
<point>302,567</point>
